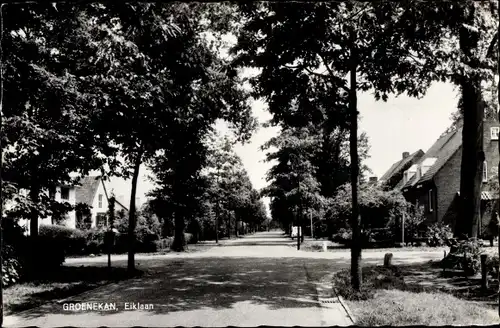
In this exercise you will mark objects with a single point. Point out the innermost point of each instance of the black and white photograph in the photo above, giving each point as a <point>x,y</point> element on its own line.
<point>245,164</point>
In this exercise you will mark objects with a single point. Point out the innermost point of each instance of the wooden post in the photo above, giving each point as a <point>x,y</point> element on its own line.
<point>388,260</point>
<point>484,272</point>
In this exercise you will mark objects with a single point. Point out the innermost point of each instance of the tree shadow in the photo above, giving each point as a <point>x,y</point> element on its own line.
<point>430,277</point>
<point>187,284</point>
<point>66,282</point>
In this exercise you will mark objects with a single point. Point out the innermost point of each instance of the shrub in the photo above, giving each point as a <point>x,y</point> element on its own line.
<point>188,238</point>
<point>73,241</point>
<point>11,266</point>
<point>343,236</point>
<point>94,241</point>
<point>492,265</point>
<point>164,243</point>
<point>148,231</point>
<point>464,255</point>
<point>438,234</point>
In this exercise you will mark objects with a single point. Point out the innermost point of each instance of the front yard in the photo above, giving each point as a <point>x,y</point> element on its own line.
<point>418,294</point>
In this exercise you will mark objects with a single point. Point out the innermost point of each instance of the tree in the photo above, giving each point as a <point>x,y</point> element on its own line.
<point>46,135</point>
<point>357,47</point>
<point>475,33</point>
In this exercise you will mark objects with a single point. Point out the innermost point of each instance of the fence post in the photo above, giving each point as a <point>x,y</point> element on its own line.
<point>388,260</point>
<point>484,272</point>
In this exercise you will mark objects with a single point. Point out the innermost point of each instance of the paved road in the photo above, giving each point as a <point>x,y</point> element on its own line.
<point>256,280</point>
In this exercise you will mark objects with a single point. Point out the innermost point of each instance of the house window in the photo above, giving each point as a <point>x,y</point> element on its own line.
<point>100,201</point>
<point>65,193</point>
<point>431,201</point>
<point>485,171</point>
<point>495,131</point>
<point>100,220</point>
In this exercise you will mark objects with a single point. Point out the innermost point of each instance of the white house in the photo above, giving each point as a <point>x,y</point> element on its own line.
<point>90,191</point>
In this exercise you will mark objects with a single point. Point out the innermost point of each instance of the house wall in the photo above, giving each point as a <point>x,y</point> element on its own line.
<point>421,199</point>
<point>71,221</point>
<point>447,182</point>
<point>490,149</point>
<point>95,204</point>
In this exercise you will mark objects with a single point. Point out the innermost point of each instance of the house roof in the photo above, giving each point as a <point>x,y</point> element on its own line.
<point>400,165</point>
<point>443,149</point>
<point>85,192</point>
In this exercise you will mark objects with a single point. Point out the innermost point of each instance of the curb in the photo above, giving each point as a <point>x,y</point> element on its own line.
<point>328,281</point>
<point>344,305</point>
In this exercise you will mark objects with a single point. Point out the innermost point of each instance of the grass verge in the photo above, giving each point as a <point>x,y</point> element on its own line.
<point>386,299</point>
<point>69,281</point>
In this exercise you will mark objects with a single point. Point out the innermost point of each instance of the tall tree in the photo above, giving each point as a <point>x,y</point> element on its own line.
<point>46,130</point>
<point>357,47</point>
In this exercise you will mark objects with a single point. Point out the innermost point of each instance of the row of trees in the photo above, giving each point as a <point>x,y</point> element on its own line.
<point>314,59</point>
<point>220,200</point>
<point>110,88</point>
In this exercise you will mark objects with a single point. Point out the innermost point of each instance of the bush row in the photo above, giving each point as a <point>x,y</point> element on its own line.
<point>79,242</point>
<point>433,236</point>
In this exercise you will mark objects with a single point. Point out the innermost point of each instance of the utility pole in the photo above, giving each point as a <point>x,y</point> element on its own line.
<point>298,229</point>
<point>217,211</point>
<point>299,216</point>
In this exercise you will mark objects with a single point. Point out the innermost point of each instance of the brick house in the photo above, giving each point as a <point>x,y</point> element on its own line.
<point>433,181</point>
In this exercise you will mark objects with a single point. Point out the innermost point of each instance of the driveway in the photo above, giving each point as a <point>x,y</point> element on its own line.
<point>251,281</point>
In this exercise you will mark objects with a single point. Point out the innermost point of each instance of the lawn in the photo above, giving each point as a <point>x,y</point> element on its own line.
<point>418,295</point>
<point>69,281</point>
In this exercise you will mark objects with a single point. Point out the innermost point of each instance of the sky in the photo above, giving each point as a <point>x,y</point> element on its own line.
<point>393,127</point>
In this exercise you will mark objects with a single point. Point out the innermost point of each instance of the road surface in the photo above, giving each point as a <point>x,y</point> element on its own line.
<point>251,281</point>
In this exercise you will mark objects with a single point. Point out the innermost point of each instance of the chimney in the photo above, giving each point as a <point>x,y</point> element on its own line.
<point>406,154</point>
<point>373,180</point>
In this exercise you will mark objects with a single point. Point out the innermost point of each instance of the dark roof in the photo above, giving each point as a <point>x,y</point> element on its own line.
<point>401,165</point>
<point>443,149</point>
<point>85,192</point>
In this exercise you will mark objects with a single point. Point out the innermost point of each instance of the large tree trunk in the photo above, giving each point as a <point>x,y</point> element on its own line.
<point>236,225</point>
<point>34,197</point>
<point>356,277</point>
<point>471,170</point>
<point>132,215</point>
<point>179,239</point>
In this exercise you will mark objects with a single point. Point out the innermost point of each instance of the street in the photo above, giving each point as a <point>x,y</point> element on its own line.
<point>251,281</point>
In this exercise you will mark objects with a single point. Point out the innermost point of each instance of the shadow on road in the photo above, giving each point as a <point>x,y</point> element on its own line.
<point>187,284</point>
